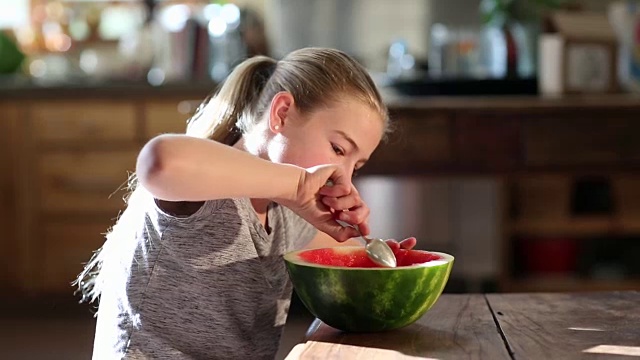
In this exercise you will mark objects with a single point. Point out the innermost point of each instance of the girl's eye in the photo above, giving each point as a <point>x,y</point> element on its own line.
<point>338,150</point>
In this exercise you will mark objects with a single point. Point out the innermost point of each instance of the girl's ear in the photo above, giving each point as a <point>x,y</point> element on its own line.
<point>280,111</point>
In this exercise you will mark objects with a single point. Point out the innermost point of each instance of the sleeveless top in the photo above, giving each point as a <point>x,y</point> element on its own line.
<point>212,285</point>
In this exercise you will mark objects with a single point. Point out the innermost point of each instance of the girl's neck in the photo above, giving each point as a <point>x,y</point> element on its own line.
<point>260,205</point>
<point>252,143</point>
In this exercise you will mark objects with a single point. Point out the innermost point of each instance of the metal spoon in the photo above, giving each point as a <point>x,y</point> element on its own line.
<point>377,249</point>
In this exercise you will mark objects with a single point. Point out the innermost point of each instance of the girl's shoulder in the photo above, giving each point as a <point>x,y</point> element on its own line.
<point>189,211</point>
<point>181,212</point>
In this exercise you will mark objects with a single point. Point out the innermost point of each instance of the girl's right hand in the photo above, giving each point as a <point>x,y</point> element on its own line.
<point>308,200</point>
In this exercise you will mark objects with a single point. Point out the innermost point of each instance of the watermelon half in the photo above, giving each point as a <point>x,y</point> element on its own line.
<point>342,287</point>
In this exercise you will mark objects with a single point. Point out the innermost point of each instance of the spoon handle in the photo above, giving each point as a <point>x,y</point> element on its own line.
<point>345,224</point>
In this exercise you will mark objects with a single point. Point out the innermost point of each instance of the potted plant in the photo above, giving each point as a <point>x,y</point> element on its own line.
<point>501,12</point>
<point>519,22</point>
<point>11,56</point>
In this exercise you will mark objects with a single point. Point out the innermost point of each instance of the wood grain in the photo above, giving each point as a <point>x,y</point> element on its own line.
<point>84,181</point>
<point>164,117</point>
<point>67,246</point>
<point>24,179</point>
<point>554,140</point>
<point>426,137</point>
<point>62,121</point>
<point>8,158</point>
<point>458,326</point>
<point>487,142</point>
<point>315,350</point>
<point>569,326</point>
<point>512,104</point>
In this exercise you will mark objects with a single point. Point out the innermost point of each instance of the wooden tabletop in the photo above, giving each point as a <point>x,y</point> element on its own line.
<point>497,326</point>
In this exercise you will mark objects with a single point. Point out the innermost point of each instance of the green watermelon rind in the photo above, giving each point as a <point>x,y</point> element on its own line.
<point>368,299</point>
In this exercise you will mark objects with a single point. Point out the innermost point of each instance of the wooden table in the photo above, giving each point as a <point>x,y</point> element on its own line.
<point>497,326</point>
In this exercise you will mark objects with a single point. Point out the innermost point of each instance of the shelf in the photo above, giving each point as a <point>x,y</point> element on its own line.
<point>568,284</point>
<point>587,226</point>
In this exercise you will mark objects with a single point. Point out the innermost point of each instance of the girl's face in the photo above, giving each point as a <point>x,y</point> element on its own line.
<point>345,133</point>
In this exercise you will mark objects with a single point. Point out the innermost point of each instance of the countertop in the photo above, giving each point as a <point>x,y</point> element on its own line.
<point>25,89</point>
<point>601,325</point>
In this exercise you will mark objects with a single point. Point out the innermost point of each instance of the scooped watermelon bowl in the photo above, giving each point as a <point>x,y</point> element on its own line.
<point>343,288</point>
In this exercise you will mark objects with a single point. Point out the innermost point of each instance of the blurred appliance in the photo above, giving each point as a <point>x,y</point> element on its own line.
<point>457,216</point>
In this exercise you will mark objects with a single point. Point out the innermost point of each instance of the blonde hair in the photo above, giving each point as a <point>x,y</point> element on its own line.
<point>315,77</point>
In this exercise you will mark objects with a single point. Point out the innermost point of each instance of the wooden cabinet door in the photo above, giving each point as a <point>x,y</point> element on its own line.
<point>168,116</point>
<point>8,200</point>
<point>579,140</point>
<point>418,143</point>
<point>83,121</point>
<point>65,247</point>
<point>80,182</point>
<point>80,153</point>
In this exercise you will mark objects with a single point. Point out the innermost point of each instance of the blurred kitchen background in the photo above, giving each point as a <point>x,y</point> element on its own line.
<point>516,146</point>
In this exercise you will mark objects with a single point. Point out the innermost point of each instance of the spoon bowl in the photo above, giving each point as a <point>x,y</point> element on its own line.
<point>377,249</point>
<point>380,253</point>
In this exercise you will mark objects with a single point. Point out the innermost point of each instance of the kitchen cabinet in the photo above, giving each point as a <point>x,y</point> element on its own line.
<point>539,151</point>
<point>418,140</point>
<point>552,241</point>
<point>64,167</point>
<point>65,157</point>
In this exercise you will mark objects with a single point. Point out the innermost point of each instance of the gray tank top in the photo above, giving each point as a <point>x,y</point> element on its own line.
<point>209,286</point>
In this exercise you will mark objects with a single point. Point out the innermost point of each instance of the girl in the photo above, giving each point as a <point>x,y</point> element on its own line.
<point>193,268</point>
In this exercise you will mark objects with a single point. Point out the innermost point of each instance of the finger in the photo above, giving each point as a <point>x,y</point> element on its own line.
<point>335,191</point>
<point>358,217</point>
<point>355,216</point>
<point>364,228</point>
<point>408,243</point>
<point>394,245</point>
<point>340,233</point>
<point>336,182</point>
<point>344,202</point>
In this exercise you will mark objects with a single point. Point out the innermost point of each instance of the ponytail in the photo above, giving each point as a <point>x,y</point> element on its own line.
<point>230,112</point>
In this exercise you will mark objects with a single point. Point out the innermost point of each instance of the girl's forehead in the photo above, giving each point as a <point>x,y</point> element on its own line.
<point>361,123</point>
<point>350,108</point>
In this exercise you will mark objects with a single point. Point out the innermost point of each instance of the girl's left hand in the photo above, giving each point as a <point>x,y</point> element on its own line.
<point>406,244</point>
<point>351,209</point>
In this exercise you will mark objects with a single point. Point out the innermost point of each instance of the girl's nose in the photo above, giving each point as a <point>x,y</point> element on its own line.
<point>348,169</point>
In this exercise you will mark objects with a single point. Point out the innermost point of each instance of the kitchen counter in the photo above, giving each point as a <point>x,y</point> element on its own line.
<point>511,103</point>
<point>495,326</point>
<point>24,89</point>
<point>66,148</point>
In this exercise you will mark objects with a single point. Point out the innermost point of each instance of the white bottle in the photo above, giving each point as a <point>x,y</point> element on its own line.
<point>625,19</point>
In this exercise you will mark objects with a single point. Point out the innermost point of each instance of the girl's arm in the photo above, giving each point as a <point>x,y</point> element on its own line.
<point>184,168</point>
<point>187,169</point>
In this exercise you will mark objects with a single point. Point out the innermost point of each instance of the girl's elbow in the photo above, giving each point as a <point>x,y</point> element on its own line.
<point>153,162</point>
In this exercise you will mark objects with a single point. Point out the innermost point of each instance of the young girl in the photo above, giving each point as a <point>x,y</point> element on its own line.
<point>193,268</point>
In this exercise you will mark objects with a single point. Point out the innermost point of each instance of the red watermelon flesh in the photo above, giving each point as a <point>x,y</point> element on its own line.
<point>359,258</point>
